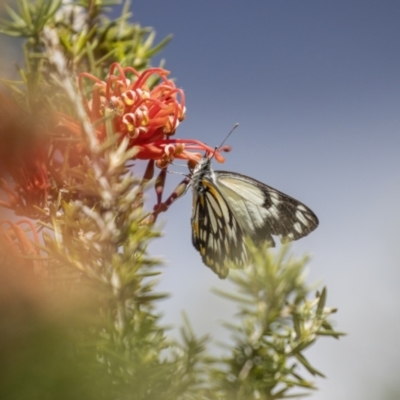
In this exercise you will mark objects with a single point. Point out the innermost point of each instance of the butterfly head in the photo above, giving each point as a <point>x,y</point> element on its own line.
<point>201,171</point>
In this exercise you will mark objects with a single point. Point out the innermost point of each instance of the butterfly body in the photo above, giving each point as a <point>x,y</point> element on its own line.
<point>228,207</point>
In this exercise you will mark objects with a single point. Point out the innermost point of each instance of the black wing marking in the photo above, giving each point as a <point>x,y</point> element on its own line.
<point>264,211</point>
<point>216,233</point>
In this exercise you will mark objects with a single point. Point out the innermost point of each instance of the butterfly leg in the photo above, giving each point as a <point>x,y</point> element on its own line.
<point>159,188</point>
<point>160,207</point>
<point>160,180</point>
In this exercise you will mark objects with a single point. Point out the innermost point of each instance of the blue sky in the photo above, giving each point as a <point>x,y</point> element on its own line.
<point>315,86</point>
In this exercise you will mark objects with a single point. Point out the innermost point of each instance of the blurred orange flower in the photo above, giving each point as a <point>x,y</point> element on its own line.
<point>14,242</point>
<point>24,175</point>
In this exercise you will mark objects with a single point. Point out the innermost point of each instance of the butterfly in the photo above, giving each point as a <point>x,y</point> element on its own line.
<point>228,207</point>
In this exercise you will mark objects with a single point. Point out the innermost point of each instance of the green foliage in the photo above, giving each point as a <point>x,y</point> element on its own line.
<point>90,41</point>
<point>278,322</point>
<point>79,315</point>
<point>30,18</point>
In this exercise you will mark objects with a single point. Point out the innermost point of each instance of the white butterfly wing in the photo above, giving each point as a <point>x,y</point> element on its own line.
<point>216,232</point>
<point>263,211</point>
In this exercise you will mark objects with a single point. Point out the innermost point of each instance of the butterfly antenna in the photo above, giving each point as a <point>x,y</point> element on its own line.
<point>226,138</point>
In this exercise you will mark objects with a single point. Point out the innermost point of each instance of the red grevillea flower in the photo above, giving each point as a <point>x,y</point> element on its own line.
<point>147,117</point>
